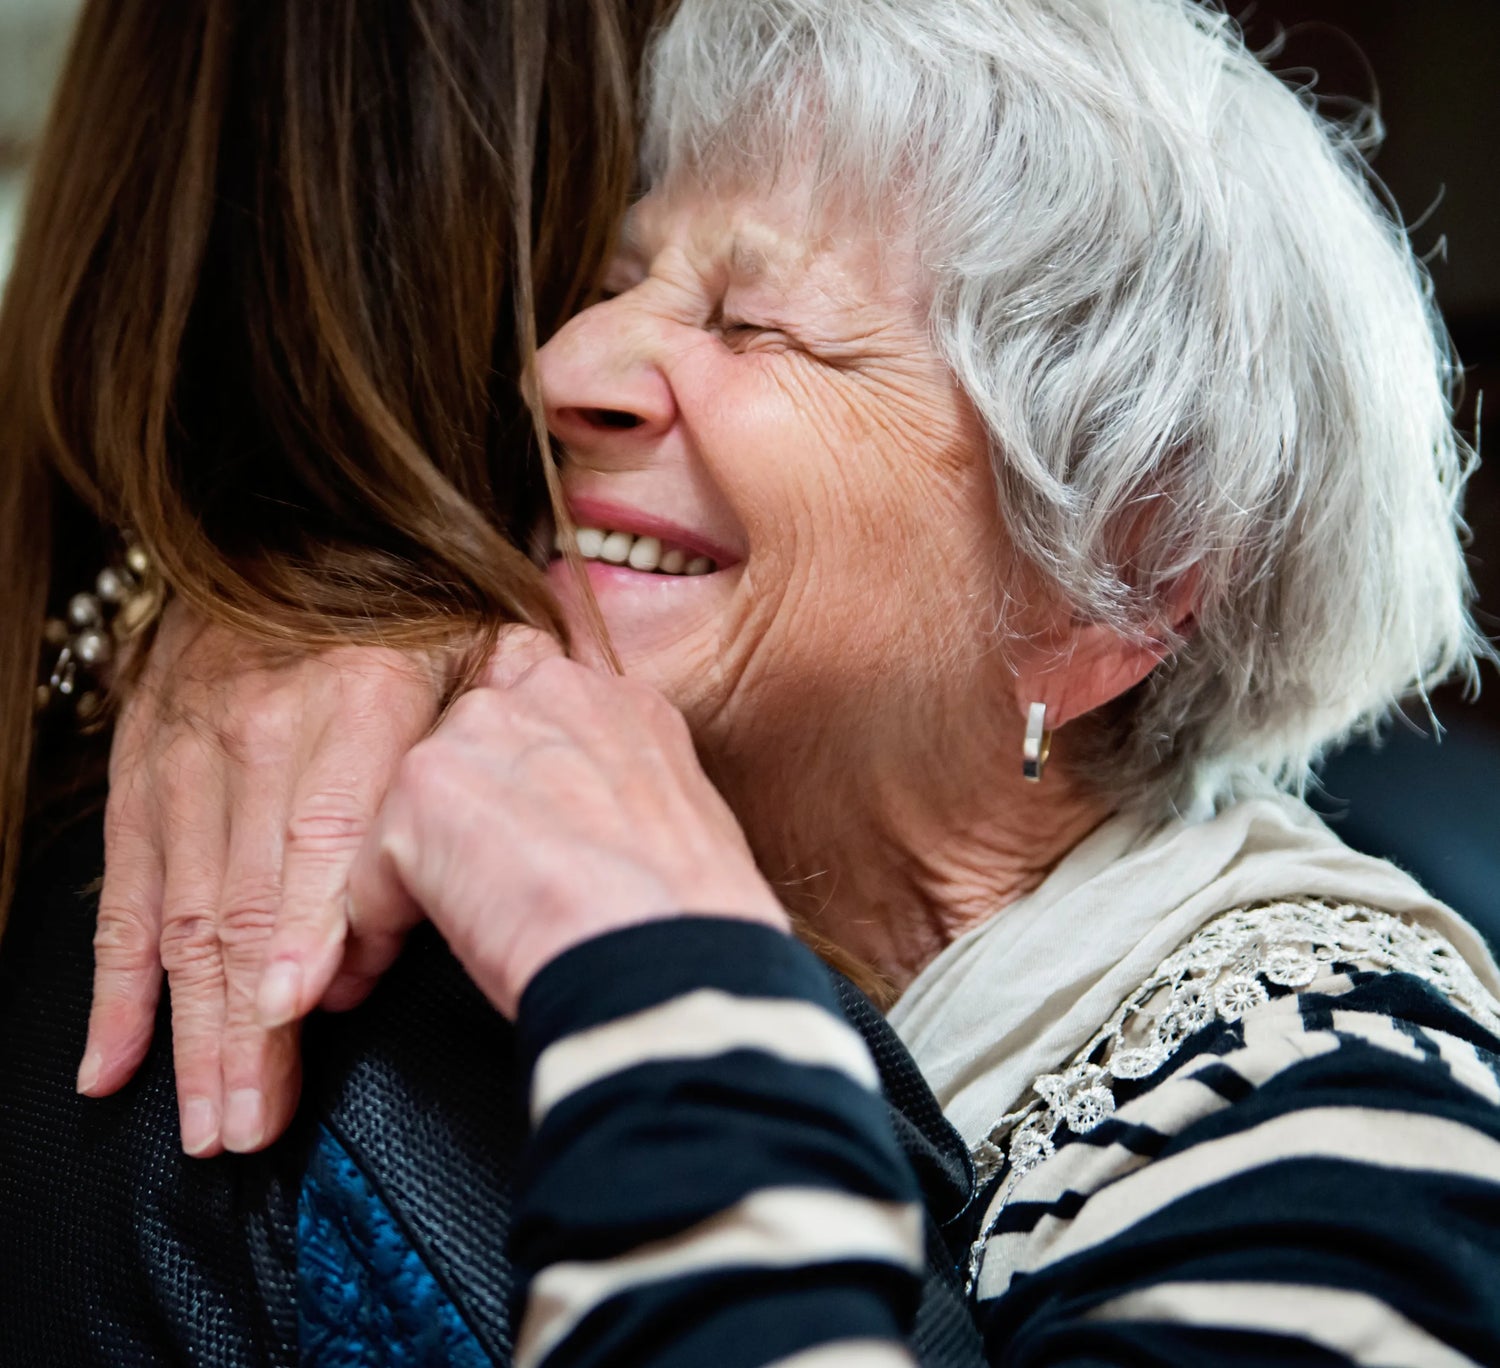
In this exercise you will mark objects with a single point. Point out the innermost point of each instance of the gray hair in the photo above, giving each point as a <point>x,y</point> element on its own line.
<point>1205,353</point>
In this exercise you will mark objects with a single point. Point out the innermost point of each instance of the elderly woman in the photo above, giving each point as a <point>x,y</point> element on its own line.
<point>1017,444</point>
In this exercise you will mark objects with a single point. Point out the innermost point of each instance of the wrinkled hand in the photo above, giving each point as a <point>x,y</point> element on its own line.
<point>551,805</point>
<point>242,784</point>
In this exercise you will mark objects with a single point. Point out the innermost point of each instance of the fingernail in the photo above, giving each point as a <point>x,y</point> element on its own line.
<point>244,1119</point>
<point>89,1071</point>
<point>200,1127</point>
<point>280,991</point>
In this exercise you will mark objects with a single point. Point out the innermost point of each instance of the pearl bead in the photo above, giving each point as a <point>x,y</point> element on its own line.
<point>109,586</point>
<point>137,561</point>
<point>92,648</point>
<point>84,610</point>
<point>56,633</point>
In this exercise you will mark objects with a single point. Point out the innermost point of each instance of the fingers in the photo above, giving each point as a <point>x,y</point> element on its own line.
<point>518,651</point>
<point>127,956</point>
<point>127,940</point>
<point>381,910</point>
<point>222,735</point>
<point>555,805</point>
<point>331,815</point>
<point>191,949</point>
<point>260,1075</point>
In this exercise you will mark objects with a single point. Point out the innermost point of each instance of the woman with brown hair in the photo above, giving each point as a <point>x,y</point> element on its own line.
<point>280,272</point>
<point>273,291</point>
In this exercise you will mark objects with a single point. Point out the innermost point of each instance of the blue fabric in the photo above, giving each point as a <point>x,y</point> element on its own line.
<point>365,1298</point>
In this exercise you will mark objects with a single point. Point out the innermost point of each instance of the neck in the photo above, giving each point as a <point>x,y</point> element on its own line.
<point>890,875</point>
<point>905,891</point>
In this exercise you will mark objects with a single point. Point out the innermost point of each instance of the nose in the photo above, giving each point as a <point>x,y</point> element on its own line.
<point>599,382</point>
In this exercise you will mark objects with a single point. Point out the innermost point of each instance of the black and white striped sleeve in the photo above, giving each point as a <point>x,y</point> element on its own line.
<point>1317,1183</point>
<point>712,1176</point>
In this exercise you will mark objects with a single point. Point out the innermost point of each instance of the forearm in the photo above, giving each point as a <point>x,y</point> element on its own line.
<point>712,1177</point>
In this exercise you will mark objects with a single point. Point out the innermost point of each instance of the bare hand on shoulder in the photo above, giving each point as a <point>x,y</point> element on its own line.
<point>551,805</point>
<point>242,784</point>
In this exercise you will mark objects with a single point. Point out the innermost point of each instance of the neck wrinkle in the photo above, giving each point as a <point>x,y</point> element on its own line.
<point>902,884</point>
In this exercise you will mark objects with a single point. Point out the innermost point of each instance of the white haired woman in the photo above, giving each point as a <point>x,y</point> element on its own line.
<point>983,378</point>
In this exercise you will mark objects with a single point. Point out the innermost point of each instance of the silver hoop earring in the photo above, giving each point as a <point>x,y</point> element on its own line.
<point>1038,744</point>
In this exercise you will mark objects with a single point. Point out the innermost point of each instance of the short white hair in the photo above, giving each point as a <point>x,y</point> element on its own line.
<point>1204,350</point>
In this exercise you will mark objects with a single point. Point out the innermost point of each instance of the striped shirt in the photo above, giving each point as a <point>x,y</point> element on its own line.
<point>712,1177</point>
<point>1289,1156</point>
<point>1311,1175</point>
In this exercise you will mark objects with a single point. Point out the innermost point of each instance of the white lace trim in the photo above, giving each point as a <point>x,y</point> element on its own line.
<point>1219,974</point>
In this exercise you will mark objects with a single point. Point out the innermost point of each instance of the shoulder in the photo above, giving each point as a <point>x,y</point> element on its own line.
<point>1266,1144</point>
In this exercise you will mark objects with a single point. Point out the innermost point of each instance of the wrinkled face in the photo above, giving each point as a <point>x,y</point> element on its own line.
<point>791,526</point>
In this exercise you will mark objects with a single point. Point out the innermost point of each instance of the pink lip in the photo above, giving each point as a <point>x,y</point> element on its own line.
<point>614,517</point>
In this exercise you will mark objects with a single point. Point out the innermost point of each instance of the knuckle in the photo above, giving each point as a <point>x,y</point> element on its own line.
<point>426,771</point>
<point>242,926</point>
<point>133,732</point>
<point>268,730</point>
<point>411,767</point>
<point>329,824</point>
<point>248,911</point>
<point>123,933</point>
<point>481,710</point>
<point>675,726</point>
<point>377,676</point>
<point>189,943</point>
<point>652,709</point>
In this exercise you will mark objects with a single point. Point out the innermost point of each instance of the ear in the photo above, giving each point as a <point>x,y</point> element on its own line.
<point>1093,665</point>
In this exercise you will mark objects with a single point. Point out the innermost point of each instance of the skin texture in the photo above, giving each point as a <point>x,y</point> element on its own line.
<point>587,789</point>
<point>854,675</point>
<point>764,377</point>
<point>242,784</point>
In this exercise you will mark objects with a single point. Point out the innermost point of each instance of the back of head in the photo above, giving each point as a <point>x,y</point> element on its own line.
<point>280,271</point>
<point>1204,350</point>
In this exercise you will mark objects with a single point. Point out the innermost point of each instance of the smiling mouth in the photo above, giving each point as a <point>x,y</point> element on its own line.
<point>646,554</point>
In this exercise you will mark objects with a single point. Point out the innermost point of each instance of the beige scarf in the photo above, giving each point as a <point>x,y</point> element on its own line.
<point>1020,995</point>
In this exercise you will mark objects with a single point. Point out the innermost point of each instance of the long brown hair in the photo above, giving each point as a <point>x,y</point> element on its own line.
<point>280,275</point>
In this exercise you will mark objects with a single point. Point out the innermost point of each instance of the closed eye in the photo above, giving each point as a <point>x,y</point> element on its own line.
<point>738,335</point>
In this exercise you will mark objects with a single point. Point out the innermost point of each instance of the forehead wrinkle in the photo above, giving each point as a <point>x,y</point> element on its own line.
<point>758,256</point>
<point>785,249</point>
<point>762,246</point>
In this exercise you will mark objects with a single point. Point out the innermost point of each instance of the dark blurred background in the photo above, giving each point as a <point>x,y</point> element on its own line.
<point>1435,65</point>
<point>1433,68</point>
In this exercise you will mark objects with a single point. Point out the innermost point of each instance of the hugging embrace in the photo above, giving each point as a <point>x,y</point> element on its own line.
<point>764,828</point>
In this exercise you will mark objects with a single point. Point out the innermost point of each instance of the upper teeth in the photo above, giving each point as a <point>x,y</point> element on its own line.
<point>640,553</point>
